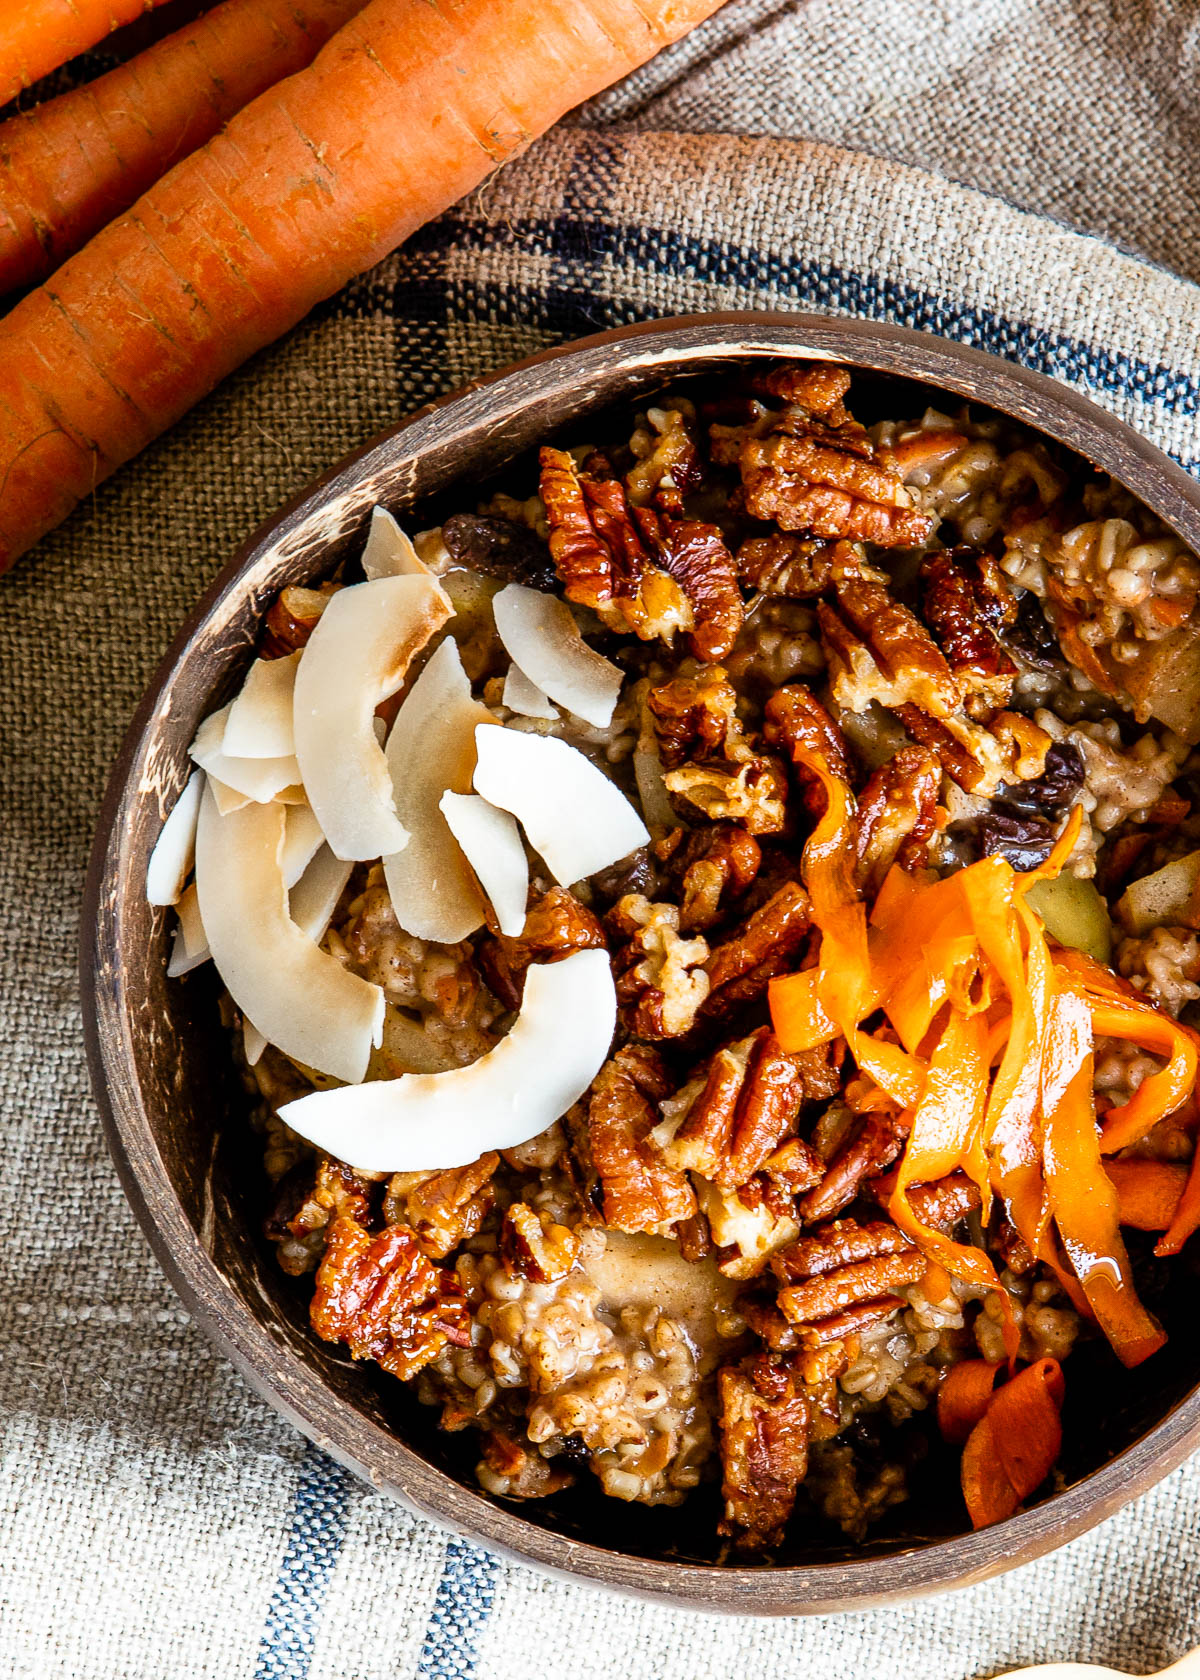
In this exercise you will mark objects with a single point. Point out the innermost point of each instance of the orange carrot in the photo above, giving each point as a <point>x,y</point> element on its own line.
<point>1014,1446</point>
<point>1185,1221</point>
<point>39,35</point>
<point>964,1395</point>
<point>74,163</point>
<point>409,107</point>
<point>1148,1192</point>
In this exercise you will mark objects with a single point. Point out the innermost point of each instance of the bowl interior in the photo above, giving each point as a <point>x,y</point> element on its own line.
<point>178,1112</point>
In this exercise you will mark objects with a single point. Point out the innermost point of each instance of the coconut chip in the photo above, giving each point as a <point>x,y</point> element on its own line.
<point>190,946</point>
<point>541,636</point>
<point>175,849</point>
<point>259,724</point>
<point>357,656</point>
<point>431,751</point>
<point>525,697</point>
<point>423,1122</point>
<point>389,552</point>
<point>491,843</point>
<point>298,996</point>
<point>258,779</point>
<point>576,818</point>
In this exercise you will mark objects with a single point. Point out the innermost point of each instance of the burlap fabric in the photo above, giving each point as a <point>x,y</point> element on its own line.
<point>156,1517</point>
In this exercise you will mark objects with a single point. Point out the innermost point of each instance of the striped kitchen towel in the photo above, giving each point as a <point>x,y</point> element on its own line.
<point>156,1517</point>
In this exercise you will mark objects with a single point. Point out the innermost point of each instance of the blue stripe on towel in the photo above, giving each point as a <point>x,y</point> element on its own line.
<point>460,1610</point>
<point>319,1514</point>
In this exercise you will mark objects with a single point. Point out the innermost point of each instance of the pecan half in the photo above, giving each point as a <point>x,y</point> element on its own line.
<point>842,1242</point>
<point>533,1245</point>
<point>794,718</point>
<point>819,388</point>
<point>601,558</point>
<point>640,1191</point>
<point>880,651</point>
<point>661,982</point>
<point>816,470</point>
<point>751,1095</point>
<point>554,927</point>
<point>940,1204</point>
<point>310,1196</point>
<point>767,944</point>
<point>711,868</point>
<point>695,555</point>
<point>764,1449</point>
<point>981,759</point>
<point>752,792</point>
<point>821,1297</point>
<point>964,605</point>
<point>798,567</point>
<point>385,1300</point>
<point>897,815</point>
<point>873,1144</point>
<point>668,460</point>
<point>693,717</point>
<point>442,1208</point>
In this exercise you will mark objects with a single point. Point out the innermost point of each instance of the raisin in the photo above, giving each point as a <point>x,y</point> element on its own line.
<point>1024,841</point>
<point>1050,792</point>
<point>500,548</point>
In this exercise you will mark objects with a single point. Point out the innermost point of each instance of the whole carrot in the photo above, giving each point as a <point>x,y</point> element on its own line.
<point>68,167</point>
<point>408,107</point>
<point>36,36</point>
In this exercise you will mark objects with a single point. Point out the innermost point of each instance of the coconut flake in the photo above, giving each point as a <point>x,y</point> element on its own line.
<point>542,637</point>
<point>190,946</point>
<point>259,779</point>
<point>423,1122</point>
<point>491,843</point>
<point>175,849</point>
<point>357,656</point>
<point>572,814</point>
<point>298,996</point>
<point>227,800</point>
<point>389,552</point>
<point>253,1043</point>
<point>526,698</point>
<point>259,723</point>
<point>431,751</point>
<point>302,840</point>
<point>314,898</point>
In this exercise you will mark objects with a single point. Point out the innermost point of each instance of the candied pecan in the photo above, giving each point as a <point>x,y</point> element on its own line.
<point>695,555</point>
<point>499,548</point>
<point>747,1224</point>
<point>515,1470</point>
<point>309,1197</point>
<point>764,1449</point>
<point>764,946</point>
<point>554,927</point>
<point>819,388</point>
<point>963,612</point>
<point>752,792</point>
<point>943,1202</point>
<point>442,1208</point>
<point>795,1164</point>
<point>873,1144</point>
<point>818,1298</point>
<point>670,465</point>
<point>1011,747</point>
<point>751,1095</point>
<point>533,1245</point>
<point>816,470</point>
<point>794,718</point>
<point>292,618</point>
<point>849,1321</point>
<point>661,982</point>
<point>385,1300</point>
<point>897,814</point>
<point>767,1322</point>
<point>693,717</point>
<point>641,1193</point>
<point>841,1242</point>
<point>600,555</point>
<point>879,650</point>
<point>710,867</point>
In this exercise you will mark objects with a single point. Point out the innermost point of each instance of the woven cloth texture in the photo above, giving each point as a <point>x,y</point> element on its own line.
<point>155,1516</point>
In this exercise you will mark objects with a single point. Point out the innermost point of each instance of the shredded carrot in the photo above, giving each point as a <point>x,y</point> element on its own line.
<point>1159,1094</point>
<point>1014,1446</point>
<point>1148,1192</point>
<point>39,35</point>
<point>964,1394</point>
<point>1186,1219</point>
<point>407,108</point>
<point>68,167</point>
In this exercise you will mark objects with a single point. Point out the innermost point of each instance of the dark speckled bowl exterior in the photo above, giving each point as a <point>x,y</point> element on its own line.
<point>173,1109</point>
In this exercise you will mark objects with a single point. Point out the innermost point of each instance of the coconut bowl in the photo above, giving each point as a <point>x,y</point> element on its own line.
<point>174,1110</point>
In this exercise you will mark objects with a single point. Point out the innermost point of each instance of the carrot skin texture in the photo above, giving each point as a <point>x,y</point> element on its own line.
<point>39,35</point>
<point>68,167</point>
<point>407,108</point>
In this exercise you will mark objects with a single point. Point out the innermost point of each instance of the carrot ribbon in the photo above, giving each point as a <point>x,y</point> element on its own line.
<point>1014,1445</point>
